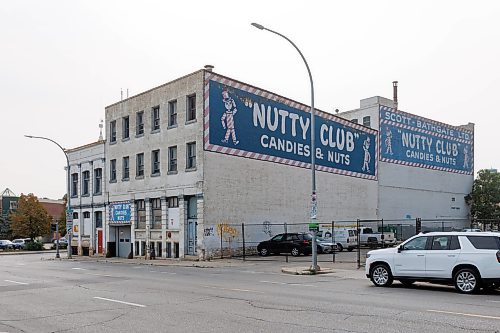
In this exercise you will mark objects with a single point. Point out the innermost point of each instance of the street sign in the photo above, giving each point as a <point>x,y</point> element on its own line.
<point>313,226</point>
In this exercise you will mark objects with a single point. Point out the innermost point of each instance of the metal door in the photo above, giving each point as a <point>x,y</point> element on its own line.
<point>99,241</point>
<point>191,237</point>
<point>123,242</point>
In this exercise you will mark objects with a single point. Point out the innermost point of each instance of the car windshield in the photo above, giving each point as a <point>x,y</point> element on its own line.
<point>368,231</point>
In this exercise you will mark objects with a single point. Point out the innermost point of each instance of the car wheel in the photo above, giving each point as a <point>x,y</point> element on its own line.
<point>350,249</point>
<point>381,275</point>
<point>320,250</point>
<point>295,251</point>
<point>264,251</point>
<point>407,283</point>
<point>340,248</point>
<point>467,281</point>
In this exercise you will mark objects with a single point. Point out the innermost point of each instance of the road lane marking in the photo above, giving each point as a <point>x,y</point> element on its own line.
<point>24,283</point>
<point>97,274</point>
<point>493,301</point>
<point>235,289</point>
<point>122,302</point>
<point>465,314</point>
<point>79,268</point>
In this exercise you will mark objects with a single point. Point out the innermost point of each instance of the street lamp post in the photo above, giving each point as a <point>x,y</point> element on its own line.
<point>314,210</point>
<point>67,188</point>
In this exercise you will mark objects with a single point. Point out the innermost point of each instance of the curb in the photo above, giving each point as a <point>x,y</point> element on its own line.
<point>305,271</point>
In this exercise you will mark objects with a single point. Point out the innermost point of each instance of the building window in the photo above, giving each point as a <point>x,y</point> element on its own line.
<point>126,168</point>
<point>75,216</point>
<point>86,215</point>
<point>155,118</point>
<point>98,219</point>
<point>173,202</point>
<point>140,165</point>
<point>155,162</point>
<point>366,121</point>
<point>156,213</point>
<point>85,182</point>
<point>112,131</point>
<point>172,159</point>
<point>191,108</point>
<point>354,121</point>
<point>139,123</point>
<point>112,170</point>
<point>140,216</point>
<point>172,113</point>
<point>191,155</point>
<point>13,205</point>
<point>74,185</point>
<point>97,181</point>
<point>126,127</point>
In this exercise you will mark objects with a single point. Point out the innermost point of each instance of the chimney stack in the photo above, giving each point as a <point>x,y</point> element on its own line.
<point>395,94</point>
<point>209,68</point>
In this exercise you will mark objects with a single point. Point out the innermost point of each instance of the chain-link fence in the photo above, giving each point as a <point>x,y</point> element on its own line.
<point>486,224</point>
<point>339,241</point>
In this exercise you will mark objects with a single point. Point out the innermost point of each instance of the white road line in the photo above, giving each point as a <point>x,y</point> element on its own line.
<point>168,273</point>
<point>96,274</point>
<point>24,283</point>
<point>122,302</point>
<point>465,314</point>
<point>493,301</point>
<point>79,268</point>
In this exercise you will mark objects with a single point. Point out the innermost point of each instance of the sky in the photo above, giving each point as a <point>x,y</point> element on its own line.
<point>62,62</point>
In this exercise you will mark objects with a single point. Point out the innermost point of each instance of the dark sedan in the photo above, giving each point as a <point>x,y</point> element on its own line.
<point>293,243</point>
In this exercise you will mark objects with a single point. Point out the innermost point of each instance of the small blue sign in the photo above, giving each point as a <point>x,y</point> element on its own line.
<point>119,213</point>
<point>416,141</point>
<point>250,123</point>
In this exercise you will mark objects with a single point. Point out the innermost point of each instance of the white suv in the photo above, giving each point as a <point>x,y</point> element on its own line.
<point>467,260</point>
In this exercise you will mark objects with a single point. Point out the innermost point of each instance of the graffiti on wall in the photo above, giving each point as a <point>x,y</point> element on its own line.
<point>227,232</point>
<point>267,228</point>
<point>207,232</point>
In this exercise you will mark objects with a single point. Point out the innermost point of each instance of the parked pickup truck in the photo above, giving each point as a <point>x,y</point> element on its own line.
<point>375,239</point>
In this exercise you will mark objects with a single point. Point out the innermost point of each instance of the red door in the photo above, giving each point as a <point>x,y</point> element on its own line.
<point>99,241</point>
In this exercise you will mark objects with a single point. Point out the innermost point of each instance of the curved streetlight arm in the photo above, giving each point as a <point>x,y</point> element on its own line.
<point>44,138</point>
<point>68,180</point>
<point>313,145</point>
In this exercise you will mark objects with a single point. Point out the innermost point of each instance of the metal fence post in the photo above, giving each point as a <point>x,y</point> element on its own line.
<point>221,249</point>
<point>359,245</point>
<point>243,235</point>
<point>334,250</point>
<point>382,237</point>
<point>286,254</point>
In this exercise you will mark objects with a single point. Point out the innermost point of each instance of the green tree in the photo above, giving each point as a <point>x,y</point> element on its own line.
<point>62,218</point>
<point>31,218</point>
<point>484,200</point>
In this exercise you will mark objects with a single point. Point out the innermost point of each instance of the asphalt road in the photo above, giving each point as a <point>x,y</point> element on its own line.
<point>42,295</point>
